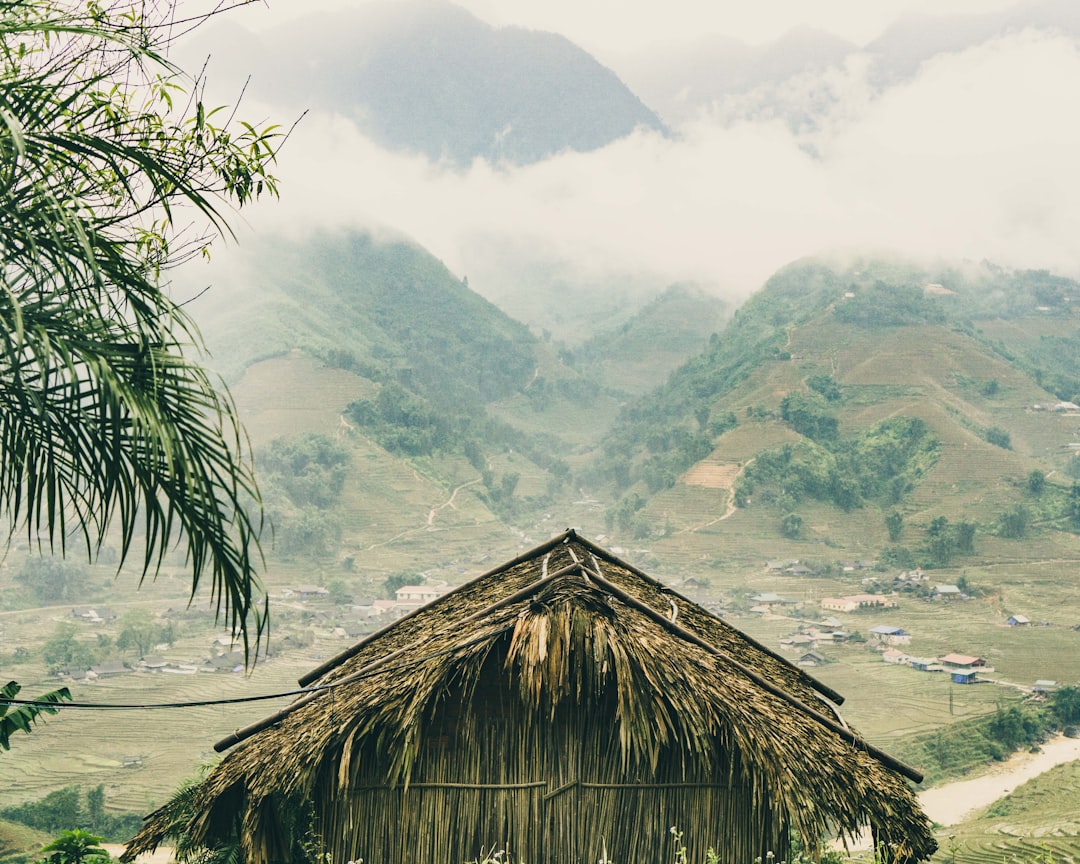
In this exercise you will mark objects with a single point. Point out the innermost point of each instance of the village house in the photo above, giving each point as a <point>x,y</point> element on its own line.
<point>887,635</point>
<point>798,570</point>
<point>418,595</point>
<point>108,669</point>
<point>947,592</point>
<point>153,663</point>
<point>230,661</point>
<point>798,642</point>
<point>828,634</point>
<point>770,604</point>
<point>1018,621</point>
<point>854,602</point>
<point>896,657</point>
<point>605,694</point>
<point>962,662</point>
<point>378,608</point>
<point>309,592</point>
<point>812,658</point>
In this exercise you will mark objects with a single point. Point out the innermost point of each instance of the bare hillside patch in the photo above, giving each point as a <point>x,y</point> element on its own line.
<point>294,395</point>
<point>712,475</point>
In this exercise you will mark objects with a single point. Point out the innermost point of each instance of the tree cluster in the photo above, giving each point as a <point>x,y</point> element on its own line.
<point>879,465</point>
<point>72,808</point>
<point>889,305</point>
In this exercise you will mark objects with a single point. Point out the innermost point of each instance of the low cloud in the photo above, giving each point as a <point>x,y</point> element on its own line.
<point>974,158</point>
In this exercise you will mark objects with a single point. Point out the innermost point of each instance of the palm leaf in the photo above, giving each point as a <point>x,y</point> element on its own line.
<point>108,424</point>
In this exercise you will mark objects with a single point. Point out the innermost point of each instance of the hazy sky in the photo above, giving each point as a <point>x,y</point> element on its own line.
<point>615,25</point>
<point>972,158</point>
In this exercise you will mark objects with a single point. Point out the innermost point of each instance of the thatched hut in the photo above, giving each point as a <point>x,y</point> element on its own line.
<point>563,707</point>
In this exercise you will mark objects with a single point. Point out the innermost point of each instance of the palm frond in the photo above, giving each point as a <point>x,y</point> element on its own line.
<point>107,421</point>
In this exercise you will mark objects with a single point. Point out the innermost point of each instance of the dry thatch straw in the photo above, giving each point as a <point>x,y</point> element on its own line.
<point>563,704</point>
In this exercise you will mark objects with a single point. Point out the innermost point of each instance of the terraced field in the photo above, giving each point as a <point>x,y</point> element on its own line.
<point>294,395</point>
<point>746,439</point>
<point>88,747</point>
<point>1038,822</point>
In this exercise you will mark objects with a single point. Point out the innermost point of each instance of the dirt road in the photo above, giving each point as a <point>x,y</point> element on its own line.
<point>954,802</point>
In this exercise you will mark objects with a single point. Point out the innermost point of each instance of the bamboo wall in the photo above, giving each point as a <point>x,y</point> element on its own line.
<point>491,777</point>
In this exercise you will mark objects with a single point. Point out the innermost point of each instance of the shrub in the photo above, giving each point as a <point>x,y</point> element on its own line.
<point>998,437</point>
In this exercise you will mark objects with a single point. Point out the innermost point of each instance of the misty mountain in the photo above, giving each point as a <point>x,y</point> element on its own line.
<point>912,40</point>
<point>806,74</point>
<point>428,77</point>
<point>385,309</point>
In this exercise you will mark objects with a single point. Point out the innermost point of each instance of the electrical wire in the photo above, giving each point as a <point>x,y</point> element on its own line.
<point>333,685</point>
<point>150,706</point>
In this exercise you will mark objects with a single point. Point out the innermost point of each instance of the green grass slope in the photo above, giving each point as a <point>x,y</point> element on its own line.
<point>817,362</point>
<point>19,844</point>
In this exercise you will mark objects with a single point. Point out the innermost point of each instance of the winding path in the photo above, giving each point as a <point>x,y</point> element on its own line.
<point>729,508</point>
<point>448,502</point>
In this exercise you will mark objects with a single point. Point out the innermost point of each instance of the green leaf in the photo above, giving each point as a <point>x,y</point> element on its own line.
<point>22,717</point>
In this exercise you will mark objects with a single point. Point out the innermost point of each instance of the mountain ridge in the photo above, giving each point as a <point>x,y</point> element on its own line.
<point>426,76</point>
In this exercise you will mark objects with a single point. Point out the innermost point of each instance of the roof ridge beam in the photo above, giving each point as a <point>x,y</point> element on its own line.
<point>884,758</point>
<point>353,650</point>
<point>810,680</point>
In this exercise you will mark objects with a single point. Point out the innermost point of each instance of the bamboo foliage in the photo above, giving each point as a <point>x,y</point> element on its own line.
<point>574,719</point>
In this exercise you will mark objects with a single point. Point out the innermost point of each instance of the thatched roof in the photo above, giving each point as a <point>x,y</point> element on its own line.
<point>565,622</point>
